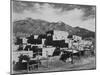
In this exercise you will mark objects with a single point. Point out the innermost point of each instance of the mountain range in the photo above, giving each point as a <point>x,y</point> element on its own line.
<point>37,26</point>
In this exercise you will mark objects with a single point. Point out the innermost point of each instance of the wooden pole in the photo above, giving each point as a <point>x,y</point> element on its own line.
<point>38,61</point>
<point>79,50</point>
<point>47,59</point>
<point>27,66</point>
<point>72,53</point>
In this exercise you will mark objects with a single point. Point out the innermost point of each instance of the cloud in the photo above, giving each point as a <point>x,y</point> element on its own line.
<point>74,15</point>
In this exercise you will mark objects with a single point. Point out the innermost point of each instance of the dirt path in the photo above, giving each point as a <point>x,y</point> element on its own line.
<point>56,65</point>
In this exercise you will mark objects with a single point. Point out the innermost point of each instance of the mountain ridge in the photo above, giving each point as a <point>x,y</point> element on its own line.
<point>38,26</point>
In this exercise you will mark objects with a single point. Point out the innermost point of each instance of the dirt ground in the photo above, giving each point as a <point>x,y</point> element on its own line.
<point>54,64</point>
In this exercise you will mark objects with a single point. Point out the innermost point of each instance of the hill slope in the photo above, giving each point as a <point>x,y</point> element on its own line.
<point>37,26</point>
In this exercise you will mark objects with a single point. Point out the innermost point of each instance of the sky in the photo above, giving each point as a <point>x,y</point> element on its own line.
<point>73,15</point>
